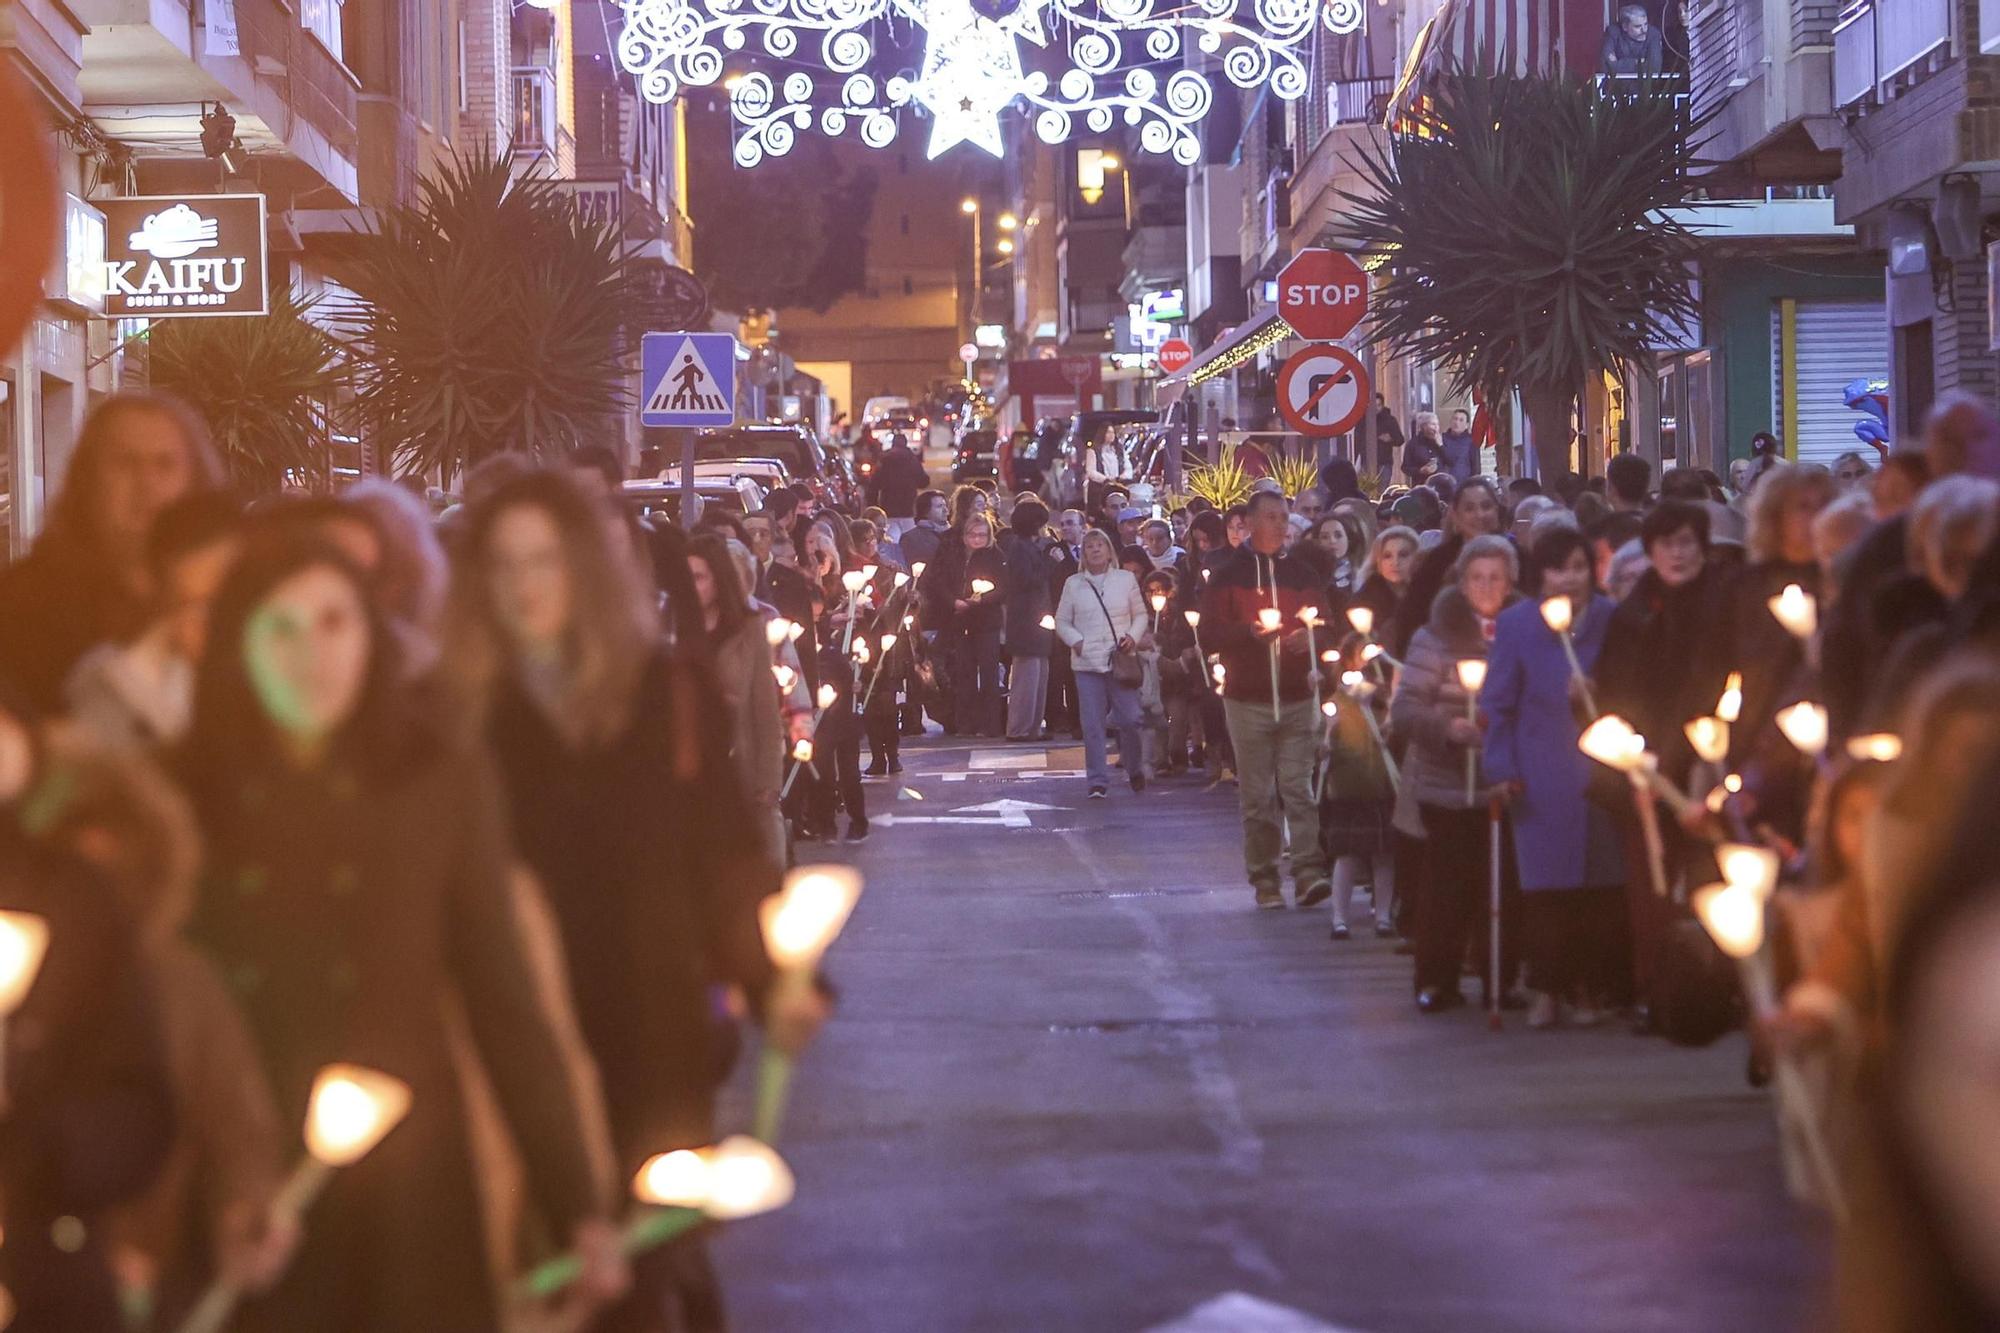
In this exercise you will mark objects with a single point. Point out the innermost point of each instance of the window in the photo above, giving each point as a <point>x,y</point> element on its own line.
<point>903,224</point>
<point>909,288</point>
<point>464,92</point>
<point>321,18</point>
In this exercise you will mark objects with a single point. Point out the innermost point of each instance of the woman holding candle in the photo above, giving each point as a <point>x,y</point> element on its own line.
<point>1475,512</point>
<point>358,874</point>
<point>754,703</point>
<point>1392,557</point>
<point>1103,615</point>
<point>1358,794</point>
<point>977,617</point>
<point>1750,639</point>
<point>1429,712</point>
<point>626,807</point>
<point>1030,602</point>
<point>1566,848</point>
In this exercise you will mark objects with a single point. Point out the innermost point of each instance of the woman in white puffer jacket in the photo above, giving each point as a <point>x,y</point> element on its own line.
<point>1101,614</point>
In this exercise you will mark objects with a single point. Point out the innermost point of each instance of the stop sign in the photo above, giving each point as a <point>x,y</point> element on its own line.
<point>1175,355</point>
<point>1322,294</point>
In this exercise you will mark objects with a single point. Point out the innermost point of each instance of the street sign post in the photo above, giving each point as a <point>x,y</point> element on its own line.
<point>687,379</point>
<point>1322,294</point>
<point>1175,354</point>
<point>1323,391</point>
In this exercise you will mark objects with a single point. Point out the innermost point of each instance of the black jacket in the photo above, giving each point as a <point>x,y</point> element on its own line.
<point>791,592</point>
<point>56,605</point>
<point>90,1118</point>
<point>1427,580</point>
<point>639,845</point>
<point>899,477</point>
<point>1660,667</point>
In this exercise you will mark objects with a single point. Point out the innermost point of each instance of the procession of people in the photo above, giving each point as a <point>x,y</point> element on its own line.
<point>493,803</point>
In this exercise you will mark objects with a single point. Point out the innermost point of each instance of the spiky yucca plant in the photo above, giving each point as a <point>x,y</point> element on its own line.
<point>1529,230</point>
<point>1222,483</point>
<point>1295,473</point>
<point>1370,482</point>
<point>488,319</point>
<point>263,386</point>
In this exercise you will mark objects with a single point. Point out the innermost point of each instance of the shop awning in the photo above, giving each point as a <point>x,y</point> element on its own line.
<point>1253,335</point>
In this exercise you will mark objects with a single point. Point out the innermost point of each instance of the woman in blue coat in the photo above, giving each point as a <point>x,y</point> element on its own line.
<point>1565,846</point>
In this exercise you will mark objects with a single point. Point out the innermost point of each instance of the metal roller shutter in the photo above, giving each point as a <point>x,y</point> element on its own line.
<point>1834,342</point>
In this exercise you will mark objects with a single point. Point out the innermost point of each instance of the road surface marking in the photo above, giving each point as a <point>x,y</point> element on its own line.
<point>1005,806</point>
<point>1008,759</point>
<point>1238,1312</point>
<point>1001,821</point>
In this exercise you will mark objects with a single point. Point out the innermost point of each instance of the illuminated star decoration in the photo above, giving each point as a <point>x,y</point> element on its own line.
<point>972,71</point>
<point>1116,52</point>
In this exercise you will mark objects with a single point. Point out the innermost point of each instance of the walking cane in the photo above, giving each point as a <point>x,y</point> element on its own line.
<point>1493,906</point>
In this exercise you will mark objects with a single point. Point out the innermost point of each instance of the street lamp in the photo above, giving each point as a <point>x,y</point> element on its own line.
<point>970,207</point>
<point>1007,222</point>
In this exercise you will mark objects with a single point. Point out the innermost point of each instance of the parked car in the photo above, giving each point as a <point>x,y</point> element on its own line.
<point>1034,456</point>
<point>805,458</point>
<point>768,473</point>
<point>977,454</point>
<point>662,496</point>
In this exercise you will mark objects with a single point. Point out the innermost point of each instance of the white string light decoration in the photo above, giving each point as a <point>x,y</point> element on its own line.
<point>972,70</point>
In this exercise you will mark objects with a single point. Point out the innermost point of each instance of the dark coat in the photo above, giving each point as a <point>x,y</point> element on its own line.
<point>90,1118</point>
<point>1380,596</point>
<point>1029,597</point>
<point>640,846</point>
<point>921,545</point>
<point>1420,458</point>
<point>1750,640</point>
<point>1659,668</point>
<point>1428,696</point>
<point>1427,580</point>
<point>56,605</point>
<point>344,907</point>
<point>1854,645</point>
<point>898,479</point>
<point>1459,455</point>
<point>791,592</point>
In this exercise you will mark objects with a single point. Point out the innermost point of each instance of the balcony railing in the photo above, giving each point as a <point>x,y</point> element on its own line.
<point>1874,43</point>
<point>1361,101</point>
<point>536,119</point>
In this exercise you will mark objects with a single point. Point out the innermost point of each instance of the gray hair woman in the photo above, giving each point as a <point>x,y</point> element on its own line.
<point>1432,711</point>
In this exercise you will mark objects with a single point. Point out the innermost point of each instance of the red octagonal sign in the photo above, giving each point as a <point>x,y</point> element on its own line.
<point>1175,355</point>
<point>1322,294</point>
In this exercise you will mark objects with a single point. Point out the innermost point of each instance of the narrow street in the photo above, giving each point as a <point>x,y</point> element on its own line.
<point>1077,1083</point>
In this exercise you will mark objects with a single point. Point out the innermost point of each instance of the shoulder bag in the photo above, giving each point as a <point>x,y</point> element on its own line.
<point>1126,669</point>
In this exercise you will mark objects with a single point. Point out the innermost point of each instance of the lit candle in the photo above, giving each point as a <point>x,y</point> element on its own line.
<point>799,924</point>
<point>777,630</point>
<point>980,587</point>
<point>1362,618</point>
<point>785,676</point>
<point>24,942</point>
<point>1710,738</point>
<point>739,1177</point>
<point>1559,614</point>
<point>827,694</point>
<point>852,580</point>
<point>1471,676</point>
<point>1048,622</point>
<point>1159,603</point>
<point>1880,747</point>
<point>1796,610</point>
<point>1268,619</point>
<point>1804,725</point>
<point>1733,915</point>
<point>1730,706</point>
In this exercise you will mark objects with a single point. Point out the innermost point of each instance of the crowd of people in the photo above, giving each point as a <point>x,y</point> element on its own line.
<point>489,801</point>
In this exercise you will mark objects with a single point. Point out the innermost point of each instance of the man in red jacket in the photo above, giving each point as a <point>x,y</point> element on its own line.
<point>1276,743</point>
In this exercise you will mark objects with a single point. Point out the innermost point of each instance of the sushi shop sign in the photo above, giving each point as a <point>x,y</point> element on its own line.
<point>202,254</point>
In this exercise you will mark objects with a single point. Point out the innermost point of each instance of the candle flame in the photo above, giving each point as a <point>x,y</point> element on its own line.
<point>351,1110</point>
<point>1730,706</point>
<point>1796,610</point>
<point>1804,725</point>
<point>1733,917</point>
<point>1557,613</point>
<point>1710,738</point>
<point>1880,747</point>
<point>1362,618</point>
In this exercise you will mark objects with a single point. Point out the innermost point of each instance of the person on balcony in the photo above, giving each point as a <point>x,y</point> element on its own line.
<point>1632,45</point>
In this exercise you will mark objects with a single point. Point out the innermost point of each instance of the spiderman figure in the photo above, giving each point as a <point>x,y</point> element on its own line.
<point>1871,399</point>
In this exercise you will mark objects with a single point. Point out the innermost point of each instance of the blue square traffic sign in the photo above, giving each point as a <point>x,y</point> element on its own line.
<point>687,379</point>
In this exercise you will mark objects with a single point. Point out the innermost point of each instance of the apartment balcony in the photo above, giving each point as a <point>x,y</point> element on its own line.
<point>149,66</point>
<point>1763,70</point>
<point>537,112</point>
<point>1360,101</point>
<point>1882,50</point>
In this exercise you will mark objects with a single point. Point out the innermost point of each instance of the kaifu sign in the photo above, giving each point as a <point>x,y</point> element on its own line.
<point>200,255</point>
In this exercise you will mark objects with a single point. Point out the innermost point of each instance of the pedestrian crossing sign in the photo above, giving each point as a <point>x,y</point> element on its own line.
<point>687,379</point>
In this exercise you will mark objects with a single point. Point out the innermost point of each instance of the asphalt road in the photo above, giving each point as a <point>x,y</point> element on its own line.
<point>1077,1083</point>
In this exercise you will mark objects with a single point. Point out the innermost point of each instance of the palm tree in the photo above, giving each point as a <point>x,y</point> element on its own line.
<point>487,319</point>
<point>263,385</point>
<point>1529,230</point>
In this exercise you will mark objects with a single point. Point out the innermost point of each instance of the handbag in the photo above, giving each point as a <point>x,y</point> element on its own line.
<point>1126,669</point>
